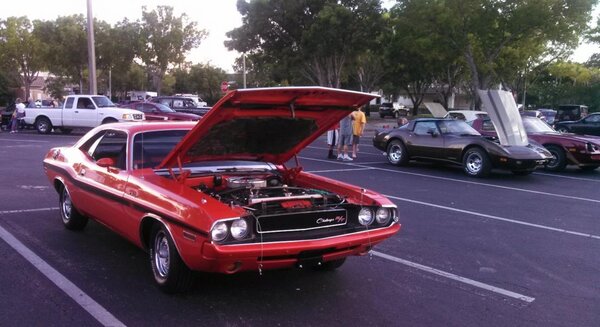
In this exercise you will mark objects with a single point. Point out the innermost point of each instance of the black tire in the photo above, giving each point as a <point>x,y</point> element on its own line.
<point>562,129</point>
<point>589,168</point>
<point>381,115</point>
<point>330,265</point>
<point>476,163</point>
<point>66,131</point>
<point>170,272</point>
<point>71,218</point>
<point>43,125</point>
<point>109,120</point>
<point>396,153</point>
<point>559,158</point>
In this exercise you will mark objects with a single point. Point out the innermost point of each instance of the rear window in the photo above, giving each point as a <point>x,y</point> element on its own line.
<point>151,148</point>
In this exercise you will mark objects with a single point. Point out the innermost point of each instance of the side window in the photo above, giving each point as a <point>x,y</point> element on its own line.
<point>421,128</point>
<point>147,107</point>
<point>69,103</point>
<point>139,107</point>
<point>85,103</point>
<point>166,102</point>
<point>487,125</point>
<point>593,119</point>
<point>112,144</point>
<point>189,104</point>
<point>177,104</point>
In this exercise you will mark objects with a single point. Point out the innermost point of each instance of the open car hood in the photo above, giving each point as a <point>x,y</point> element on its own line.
<point>268,124</point>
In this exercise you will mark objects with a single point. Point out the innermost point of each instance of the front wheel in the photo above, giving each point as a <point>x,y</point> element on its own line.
<point>170,272</point>
<point>559,158</point>
<point>71,218</point>
<point>476,163</point>
<point>43,125</point>
<point>396,153</point>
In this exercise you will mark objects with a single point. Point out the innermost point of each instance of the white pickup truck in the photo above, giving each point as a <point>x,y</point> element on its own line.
<point>79,111</point>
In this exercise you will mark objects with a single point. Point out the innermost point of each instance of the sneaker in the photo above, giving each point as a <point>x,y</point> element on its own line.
<point>346,158</point>
<point>340,157</point>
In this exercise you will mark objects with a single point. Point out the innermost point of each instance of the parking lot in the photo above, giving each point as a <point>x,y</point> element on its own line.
<point>502,251</point>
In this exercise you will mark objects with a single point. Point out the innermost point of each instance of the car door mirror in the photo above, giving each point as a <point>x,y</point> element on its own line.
<point>106,162</point>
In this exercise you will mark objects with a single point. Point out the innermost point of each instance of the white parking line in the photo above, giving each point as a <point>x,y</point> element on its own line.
<point>22,140</point>
<point>359,152</point>
<point>337,170</point>
<point>27,210</point>
<point>448,275</point>
<point>554,229</point>
<point>461,181</point>
<point>87,303</point>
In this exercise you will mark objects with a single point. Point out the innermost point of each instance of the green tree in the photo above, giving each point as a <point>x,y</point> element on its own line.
<point>22,51</point>
<point>167,39</point>
<point>305,41</point>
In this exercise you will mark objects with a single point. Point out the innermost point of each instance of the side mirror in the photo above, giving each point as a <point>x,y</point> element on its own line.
<point>106,162</point>
<point>433,132</point>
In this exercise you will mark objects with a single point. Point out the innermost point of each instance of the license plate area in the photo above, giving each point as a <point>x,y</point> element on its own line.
<point>300,221</point>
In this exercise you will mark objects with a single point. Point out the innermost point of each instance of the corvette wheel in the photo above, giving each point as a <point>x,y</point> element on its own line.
<point>562,129</point>
<point>170,272</point>
<point>330,265</point>
<point>396,153</point>
<point>71,218</point>
<point>559,159</point>
<point>476,163</point>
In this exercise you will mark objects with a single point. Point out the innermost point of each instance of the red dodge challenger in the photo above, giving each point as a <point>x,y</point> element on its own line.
<point>220,195</point>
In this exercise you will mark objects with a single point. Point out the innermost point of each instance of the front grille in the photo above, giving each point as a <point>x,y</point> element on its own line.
<point>138,116</point>
<point>300,221</point>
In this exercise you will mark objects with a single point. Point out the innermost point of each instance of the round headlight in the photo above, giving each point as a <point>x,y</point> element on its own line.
<point>382,216</point>
<point>239,229</point>
<point>365,216</point>
<point>219,232</point>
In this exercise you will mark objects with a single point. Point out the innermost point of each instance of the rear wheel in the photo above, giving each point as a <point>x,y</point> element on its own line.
<point>559,158</point>
<point>562,129</point>
<point>71,218</point>
<point>170,272</point>
<point>396,153</point>
<point>43,125</point>
<point>476,163</point>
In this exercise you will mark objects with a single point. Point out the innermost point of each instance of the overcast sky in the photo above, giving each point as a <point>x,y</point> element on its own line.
<point>215,16</point>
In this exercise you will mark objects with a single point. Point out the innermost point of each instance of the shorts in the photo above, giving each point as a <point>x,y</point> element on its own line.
<point>355,139</point>
<point>345,140</point>
<point>332,137</point>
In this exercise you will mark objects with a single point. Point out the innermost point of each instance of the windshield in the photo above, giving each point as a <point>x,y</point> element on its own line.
<point>536,125</point>
<point>456,127</point>
<point>103,102</point>
<point>163,108</point>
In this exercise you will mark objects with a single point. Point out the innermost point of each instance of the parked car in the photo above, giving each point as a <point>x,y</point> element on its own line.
<point>157,111</point>
<point>548,115</point>
<point>79,111</point>
<point>181,104</point>
<point>217,195</point>
<point>388,109</point>
<point>454,141</point>
<point>589,125</point>
<point>566,149</point>
<point>570,112</point>
<point>466,115</point>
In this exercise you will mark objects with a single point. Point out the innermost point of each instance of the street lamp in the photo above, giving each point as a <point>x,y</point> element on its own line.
<point>91,49</point>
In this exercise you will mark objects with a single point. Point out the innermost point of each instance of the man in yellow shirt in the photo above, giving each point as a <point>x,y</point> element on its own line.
<point>359,120</point>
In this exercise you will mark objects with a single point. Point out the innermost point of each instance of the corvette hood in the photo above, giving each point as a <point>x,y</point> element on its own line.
<point>269,124</point>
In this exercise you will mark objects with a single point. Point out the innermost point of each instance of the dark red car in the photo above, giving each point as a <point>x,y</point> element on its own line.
<point>566,148</point>
<point>157,111</point>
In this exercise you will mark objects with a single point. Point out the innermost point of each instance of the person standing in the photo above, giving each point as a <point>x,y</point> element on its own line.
<point>332,140</point>
<point>358,127</point>
<point>16,115</point>
<point>345,138</point>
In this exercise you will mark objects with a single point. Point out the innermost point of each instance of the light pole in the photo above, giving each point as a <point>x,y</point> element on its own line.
<point>244,68</point>
<point>91,49</point>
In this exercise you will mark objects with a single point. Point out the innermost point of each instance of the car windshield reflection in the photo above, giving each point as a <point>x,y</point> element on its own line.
<point>103,102</point>
<point>458,127</point>
<point>536,125</point>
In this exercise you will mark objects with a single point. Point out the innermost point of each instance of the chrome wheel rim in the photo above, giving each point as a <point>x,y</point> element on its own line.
<point>66,206</point>
<point>395,153</point>
<point>161,254</point>
<point>474,163</point>
<point>553,163</point>
<point>42,126</point>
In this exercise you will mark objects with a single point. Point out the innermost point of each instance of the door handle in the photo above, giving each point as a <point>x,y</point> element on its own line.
<point>82,172</point>
<point>76,111</point>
